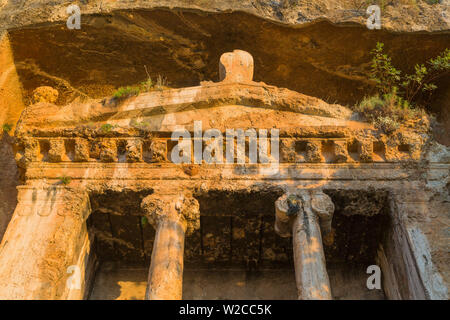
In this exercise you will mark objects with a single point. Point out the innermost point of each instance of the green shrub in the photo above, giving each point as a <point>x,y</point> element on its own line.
<point>415,88</point>
<point>419,86</point>
<point>147,85</point>
<point>382,70</point>
<point>126,92</point>
<point>140,125</point>
<point>7,127</point>
<point>65,180</point>
<point>107,127</point>
<point>387,111</point>
<point>400,97</point>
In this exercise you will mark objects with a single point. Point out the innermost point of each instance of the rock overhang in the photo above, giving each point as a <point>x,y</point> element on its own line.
<point>112,49</point>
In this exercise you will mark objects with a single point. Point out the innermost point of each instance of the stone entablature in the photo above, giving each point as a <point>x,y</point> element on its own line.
<point>158,150</point>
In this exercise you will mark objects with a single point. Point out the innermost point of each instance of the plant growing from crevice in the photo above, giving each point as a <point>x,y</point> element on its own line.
<point>419,86</point>
<point>126,92</point>
<point>161,83</point>
<point>7,127</point>
<point>148,85</point>
<point>65,180</point>
<point>400,97</point>
<point>416,88</point>
<point>387,111</point>
<point>107,127</point>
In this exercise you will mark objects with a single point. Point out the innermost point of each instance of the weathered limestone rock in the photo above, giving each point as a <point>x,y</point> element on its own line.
<point>43,239</point>
<point>301,213</point>
<point>340,151</point>
<point>45,94</point>
<point>28,152</point>
<point>287,151</point>
<point>366,151</point>
<point>158,149</point>
<point>81,150</point>
<point>56,150</point>
<point>172,215</point>
<point>11,95</point>
<point>108,150</point>
<point>134,150</point>
<point>398,16</point>
<point>313,151</point>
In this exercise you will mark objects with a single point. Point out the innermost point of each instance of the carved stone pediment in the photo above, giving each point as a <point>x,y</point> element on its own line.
<point>139,128</point>
<point>236,101</point>
<point>246,104</point>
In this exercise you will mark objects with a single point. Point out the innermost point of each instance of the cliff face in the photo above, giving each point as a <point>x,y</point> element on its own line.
<point>399,15</point>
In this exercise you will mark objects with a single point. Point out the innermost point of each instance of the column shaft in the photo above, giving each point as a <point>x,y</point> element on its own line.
<point>173,216</point>
<point>44,238</point>
<point>310,269</point>
<point>165,280</point>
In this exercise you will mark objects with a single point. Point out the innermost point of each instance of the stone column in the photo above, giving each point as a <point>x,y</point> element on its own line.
<point>301,213</point>
<point>172,216</point>
<point>44,238</point>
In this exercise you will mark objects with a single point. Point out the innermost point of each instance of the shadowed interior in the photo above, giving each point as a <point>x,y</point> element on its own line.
<point>236,244</point>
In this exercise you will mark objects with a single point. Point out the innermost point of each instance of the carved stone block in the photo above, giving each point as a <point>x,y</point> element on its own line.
<point>134,150</point>
<point>31,150</point>
<point>287,151</point>
<point>313,151</point>
<point>56,151</point>
<point>81,150</point>
<point>158,150</point>
<point>340,151</point>
<point>366,152</point>
<point>108,150</point>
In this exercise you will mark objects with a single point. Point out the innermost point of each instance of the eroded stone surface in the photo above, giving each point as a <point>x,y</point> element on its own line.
<point>45,94</point>
<point>300,213</point>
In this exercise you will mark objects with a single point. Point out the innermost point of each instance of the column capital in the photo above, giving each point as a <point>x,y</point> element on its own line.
<point>323,207</point>
<point>179,207</point>
<point>290,204</point>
